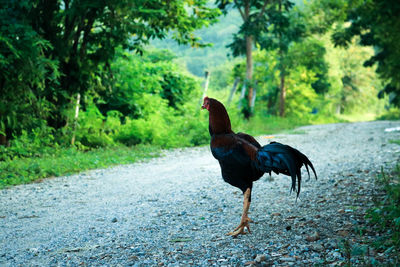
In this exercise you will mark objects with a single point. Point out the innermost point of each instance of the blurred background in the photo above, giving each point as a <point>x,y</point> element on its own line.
<point>88,84</point>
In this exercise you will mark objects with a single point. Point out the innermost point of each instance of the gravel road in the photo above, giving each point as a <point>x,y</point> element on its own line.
<point>175,210</point>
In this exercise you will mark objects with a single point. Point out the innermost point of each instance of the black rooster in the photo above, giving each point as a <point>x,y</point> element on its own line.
<point>243,160</point>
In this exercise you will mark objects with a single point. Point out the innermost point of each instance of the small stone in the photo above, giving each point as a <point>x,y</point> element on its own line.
<point>260,258</point>
<point>336,255</point>
<point>276,214</point>
<point>330,245</point>
<point>341,211</point>
<point>250,263</point>
<point>343,233</point>
<point>317,247</point>
<point>313,237</point>
<point>114,220</point>
<point>288,228</point>
<point>288,259</point>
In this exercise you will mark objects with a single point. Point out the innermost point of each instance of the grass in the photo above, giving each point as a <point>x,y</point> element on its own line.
<point>261,125</point>
<point>358,117</point>
<point>382,231</point>
<point>65,161</point>
<point>394,142</point>
<point>68,161</point>
<point>391,114</point>
<point>385,215</point>
<point>29,167</point>
<point>268,125</point>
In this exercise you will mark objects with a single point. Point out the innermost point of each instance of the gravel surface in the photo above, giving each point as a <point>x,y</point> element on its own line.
<point>175,210</point>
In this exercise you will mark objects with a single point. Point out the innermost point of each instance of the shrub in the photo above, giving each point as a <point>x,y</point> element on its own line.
<point>386,213</point>
<point>35,143</point>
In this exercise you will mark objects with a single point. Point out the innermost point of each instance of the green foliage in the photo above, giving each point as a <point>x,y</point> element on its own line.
<point>301,97</point>
<point>391,114</point>
<point>394,142</point>
<point>93,127</point>
<point>52,50</point>
<point>65,161</point>
<point>34,144</point>
<point>221,77</point>
<point>310,54</point>
<point>25,72</point>
<point>263,122</point>
<point>162,127</point>
<point>152,73</point>
<point>385,216</point>
<point>269,25</point>
<point>287,26</point>
<point>354,87</point>
<point>376,22</point>
<point>151,101</point>
<point>382,233</point>
<point>198,60</point>
<point>261,20</point>
<point>324,14</point>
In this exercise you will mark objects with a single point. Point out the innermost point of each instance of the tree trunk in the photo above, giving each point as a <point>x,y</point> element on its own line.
<point>242,93</point>
<point>207,77</point>
<point>282,87</point>
<point>249,57</point>
<point>282,96</point>
<point>253,99</point>
<point>3,140</point>
<point>78,101</point>
<point>233,91</point>
<point>249,68</point>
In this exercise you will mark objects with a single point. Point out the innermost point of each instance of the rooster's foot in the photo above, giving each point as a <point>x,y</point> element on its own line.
<point>240,230</point>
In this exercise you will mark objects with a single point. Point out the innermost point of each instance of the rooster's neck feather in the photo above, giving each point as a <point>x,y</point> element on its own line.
<point>219,122</point>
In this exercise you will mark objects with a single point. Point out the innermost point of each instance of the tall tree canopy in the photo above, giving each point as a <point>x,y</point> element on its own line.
<point>255,23</point>
<point>286,27</point>
<point>377,22</point>
<point>269,25</point>
<point>66,46</point>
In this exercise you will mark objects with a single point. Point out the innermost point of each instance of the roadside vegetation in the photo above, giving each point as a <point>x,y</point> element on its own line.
<point>79,92</point>
<point>380,235</point>
<point>385,215</point>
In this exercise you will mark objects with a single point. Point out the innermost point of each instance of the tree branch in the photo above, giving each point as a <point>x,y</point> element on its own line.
<point>86,32</point>
<point>69,21</point>
<point>263,9</point>
<point>76,40</point>
<point>240,11</point>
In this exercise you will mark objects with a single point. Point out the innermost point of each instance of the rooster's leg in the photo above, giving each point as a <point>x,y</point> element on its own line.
<point>244,222</point>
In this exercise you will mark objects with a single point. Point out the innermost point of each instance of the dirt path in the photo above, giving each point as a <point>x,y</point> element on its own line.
<point>175,210</point>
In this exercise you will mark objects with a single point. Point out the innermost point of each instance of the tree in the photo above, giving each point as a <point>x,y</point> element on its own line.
<point>79,38</point>
<point>267,24</point>
<point>24,72</point>
<point>85,34</point>
<point>377,23</point>
<point>255,22</point>
<point>353,87</point>
<point>300,78</point>
<point>310,53</point>
<point>285,28</point>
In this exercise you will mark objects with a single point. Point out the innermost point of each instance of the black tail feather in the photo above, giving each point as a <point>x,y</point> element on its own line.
<point>284,159</point>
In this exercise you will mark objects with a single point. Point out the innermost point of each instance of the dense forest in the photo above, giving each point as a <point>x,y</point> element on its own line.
<point>88,74</point>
